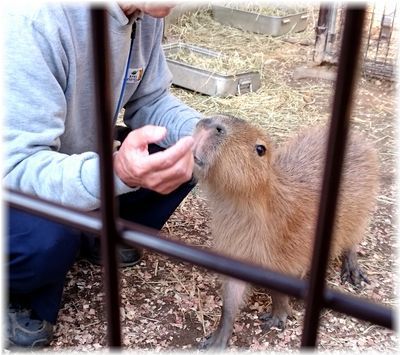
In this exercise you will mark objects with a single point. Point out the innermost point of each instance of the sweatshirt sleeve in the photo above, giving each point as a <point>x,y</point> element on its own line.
<point>35,74</point>
<point>152,102</point>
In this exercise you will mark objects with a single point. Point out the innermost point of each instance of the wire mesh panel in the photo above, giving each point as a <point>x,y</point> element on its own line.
<point>380,47</point>
<point>380,38</point>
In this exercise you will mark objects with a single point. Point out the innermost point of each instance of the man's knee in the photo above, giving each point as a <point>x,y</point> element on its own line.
<point>40,251</point>
<point>59,247</point>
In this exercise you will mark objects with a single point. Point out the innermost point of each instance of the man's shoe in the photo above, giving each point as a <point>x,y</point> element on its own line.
<point>24,331</point>
<point>126,256</point>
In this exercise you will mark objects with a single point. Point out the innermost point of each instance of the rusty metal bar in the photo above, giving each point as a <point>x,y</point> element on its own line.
<point>321,33</point>
<point>372,15</point>
<point>85,221</point>
<point>109,235</point>
<point>347,71</point>
<point>389,42</point>
<point>135,235</point>
<point>338,301</point>
<point>380,31</point>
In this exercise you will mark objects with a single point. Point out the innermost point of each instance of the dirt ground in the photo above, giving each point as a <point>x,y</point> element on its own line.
<point>170,305</point>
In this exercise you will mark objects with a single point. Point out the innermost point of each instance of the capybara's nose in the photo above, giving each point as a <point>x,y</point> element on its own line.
<point>211,124</point>
<point>220,129</point>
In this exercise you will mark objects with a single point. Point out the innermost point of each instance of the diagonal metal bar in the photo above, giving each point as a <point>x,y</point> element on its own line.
<point>257,275</point>
<point>347,71</point>
<point>136,235</point>
<point>85,221</point>
<point>109,235</point>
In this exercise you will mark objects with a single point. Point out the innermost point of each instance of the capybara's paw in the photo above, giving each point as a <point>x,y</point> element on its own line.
<point>353,274</point>
<point>270,320</point>
<point>205,342</point>
<point>213,341</point>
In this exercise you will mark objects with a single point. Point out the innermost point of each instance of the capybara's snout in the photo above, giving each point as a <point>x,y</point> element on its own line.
<point>210,132</point>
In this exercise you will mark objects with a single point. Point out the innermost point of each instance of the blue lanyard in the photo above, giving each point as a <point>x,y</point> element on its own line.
<point>121,95</point>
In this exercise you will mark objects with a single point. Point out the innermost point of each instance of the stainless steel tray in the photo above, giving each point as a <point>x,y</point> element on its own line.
<point>207,82</point>
<point>252,22</point>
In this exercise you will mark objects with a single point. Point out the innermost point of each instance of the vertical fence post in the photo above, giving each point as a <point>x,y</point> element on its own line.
<point>109,235</point>
<point>321,34</point>
<point>347,72</point>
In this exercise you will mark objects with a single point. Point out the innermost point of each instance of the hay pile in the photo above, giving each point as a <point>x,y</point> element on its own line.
<point>278,105</point>
<point>218,64</point>
<point>267,9</point>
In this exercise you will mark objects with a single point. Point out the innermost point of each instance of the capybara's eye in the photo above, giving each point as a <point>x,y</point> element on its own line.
<point>260,149</point>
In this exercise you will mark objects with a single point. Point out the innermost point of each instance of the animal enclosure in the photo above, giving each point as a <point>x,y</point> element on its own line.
<point>169,305</point>
<point>380,38</point>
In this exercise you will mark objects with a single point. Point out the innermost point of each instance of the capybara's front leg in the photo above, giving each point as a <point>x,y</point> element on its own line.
<point>351,270</point>
<point>281,310</point>
<point>233,296</point>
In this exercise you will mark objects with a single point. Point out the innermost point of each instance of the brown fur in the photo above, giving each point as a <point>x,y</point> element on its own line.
<point>264,208</point>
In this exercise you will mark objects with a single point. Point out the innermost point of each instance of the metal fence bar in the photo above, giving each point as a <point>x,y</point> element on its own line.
<point>321,33</point>
<point>136,235</point>
<point>371,21</point>
<point>109,235</point>
<point>347,71</point>
<point>84,221</point>
<point>338,301</point>
<point>392,25</point>
<point>380,31</point>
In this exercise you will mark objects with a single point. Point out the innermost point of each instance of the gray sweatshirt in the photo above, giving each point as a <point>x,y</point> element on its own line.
<point>50,122</point>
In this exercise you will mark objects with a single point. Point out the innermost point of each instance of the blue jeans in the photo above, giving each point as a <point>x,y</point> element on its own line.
<point>41,252</point>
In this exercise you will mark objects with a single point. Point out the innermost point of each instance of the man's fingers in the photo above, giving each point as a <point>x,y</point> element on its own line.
<point>169,179</point>
<point>169,157</point>
<point>145,135</point>
<point>162,171</point>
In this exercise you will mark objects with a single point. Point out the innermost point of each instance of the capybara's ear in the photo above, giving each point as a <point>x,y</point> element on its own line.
<point>204,122</point>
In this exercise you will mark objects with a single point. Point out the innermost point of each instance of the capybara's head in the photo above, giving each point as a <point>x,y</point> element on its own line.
<point>231,155</point>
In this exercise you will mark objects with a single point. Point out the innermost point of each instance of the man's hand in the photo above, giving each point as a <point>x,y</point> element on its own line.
<point>162,171</point>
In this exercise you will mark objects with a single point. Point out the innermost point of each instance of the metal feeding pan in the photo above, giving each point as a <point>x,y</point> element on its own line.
<point>204,81</point>
<point>258,23</point>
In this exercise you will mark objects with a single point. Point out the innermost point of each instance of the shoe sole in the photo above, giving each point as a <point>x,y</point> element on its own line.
<point>40,343</point>
<point>121,265</point>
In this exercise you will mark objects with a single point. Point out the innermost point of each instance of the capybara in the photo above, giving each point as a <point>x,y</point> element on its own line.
<point>264,204</point>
